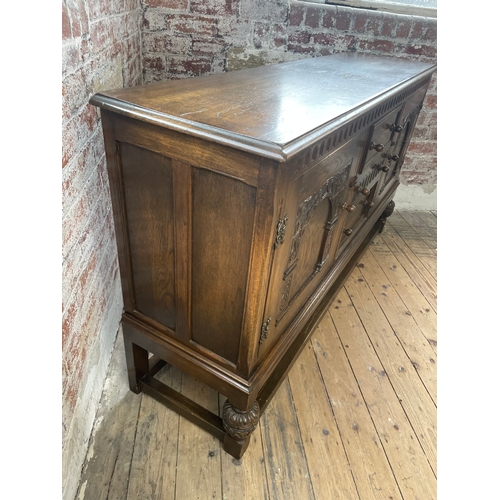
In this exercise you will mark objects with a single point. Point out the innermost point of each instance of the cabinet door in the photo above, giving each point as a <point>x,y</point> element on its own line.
<point>314,215</point>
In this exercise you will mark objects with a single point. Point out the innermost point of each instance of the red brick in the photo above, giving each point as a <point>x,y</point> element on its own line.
<point>153,20</point>
<point>325,38</point>
<point>74,15</point>
<point>100,34</point>
<point>75,92</point>
<point>169,4</point>
<point>430,33</point>
<point>296,14</point>
<point>71,56</point>
<point>189,65</point>
<point>430,101</point>
<point>130,47</point>
<point>417,30</point>
<point>300,37</point>
<point>84,19</point>
<point>214,7</point>
<point>421,50</point>
<point>153,62</point>
<point>422,147</point>
<point>207,46</point>
<point>269,35</point>
<point>376,45</point>
<point>155,41</point>
<point>66,25</point>
<point>388,25</point>
<point>374,24</point>
<point>313,14</point>
<point>403,29</point>
<point>193,25</point>
<point>77,131</point>
<point>344,17</point>
<point>300,49</point>
<point>360,21</point>
<point>76,174</point>
<point>419,133</point>
<point>329,18</point>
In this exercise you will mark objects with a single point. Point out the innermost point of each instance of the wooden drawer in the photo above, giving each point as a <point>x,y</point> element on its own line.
<point>379,139</point>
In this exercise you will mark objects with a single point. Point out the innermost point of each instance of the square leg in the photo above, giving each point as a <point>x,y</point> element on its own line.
<point>137,360</point>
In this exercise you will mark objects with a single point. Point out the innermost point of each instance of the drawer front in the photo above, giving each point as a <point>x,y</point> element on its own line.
<point>314,210</point>
<point>379,139</point>
<point>394,157</point>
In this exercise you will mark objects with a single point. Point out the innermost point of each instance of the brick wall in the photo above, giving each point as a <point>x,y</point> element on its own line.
<point>185,38</point>
<point>100,49</point>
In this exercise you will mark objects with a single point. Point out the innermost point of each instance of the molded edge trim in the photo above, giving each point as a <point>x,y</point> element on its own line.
<point>271,150</point>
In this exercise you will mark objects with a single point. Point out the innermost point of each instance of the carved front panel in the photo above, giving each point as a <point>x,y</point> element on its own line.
<point>315,221</point>
<point>314,214</point>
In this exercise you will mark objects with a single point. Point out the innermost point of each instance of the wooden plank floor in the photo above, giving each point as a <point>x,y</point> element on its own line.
<point>355,418</point>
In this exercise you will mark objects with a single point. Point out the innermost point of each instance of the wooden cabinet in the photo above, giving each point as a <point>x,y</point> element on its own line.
<point>241,202</point>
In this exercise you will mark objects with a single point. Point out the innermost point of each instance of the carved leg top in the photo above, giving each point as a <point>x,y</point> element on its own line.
<point>240,424</point>
<point>389,209</point>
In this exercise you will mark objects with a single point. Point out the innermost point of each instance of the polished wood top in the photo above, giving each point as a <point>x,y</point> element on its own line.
<point>271,110</point>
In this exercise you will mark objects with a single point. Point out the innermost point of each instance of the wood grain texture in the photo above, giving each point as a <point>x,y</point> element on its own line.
<point>222,209</point>
<point>328,464</point>
<point>300,96</point>
<point>198,473</point>
<point>340,384</point>
<point>148,192</point>
<point>370,467</point>
<point>409,462</point>
<point>153,468</point>
<point>412,394</point>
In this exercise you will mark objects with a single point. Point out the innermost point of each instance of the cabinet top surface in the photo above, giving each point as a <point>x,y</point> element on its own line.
<point>268,107</point>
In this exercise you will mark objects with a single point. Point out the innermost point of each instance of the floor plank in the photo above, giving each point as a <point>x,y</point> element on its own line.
<point>410,465</point>
<point>154,463</point>
<point>354,419</point>
<point>412,394</point>
<point>287,472</point>
<point>370,467</point>
<point>106,469</point>
<point>405,328</point>
<point>425,282</point>
<point>199,453</point>
<point>328,465</point>
<point>412,297</point>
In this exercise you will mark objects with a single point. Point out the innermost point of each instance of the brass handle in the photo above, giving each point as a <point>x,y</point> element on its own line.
<point>396,128</point>
<point>364,191</point>
<point>394,157</point>
<point>383,168</point>
<point>376,147</point>
<point>348,232</point>
<point>349,208</point>
<point>368,204</point>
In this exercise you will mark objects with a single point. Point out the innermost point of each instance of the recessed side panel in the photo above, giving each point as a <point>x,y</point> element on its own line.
<point>148,193</point>
<point>223,215</point>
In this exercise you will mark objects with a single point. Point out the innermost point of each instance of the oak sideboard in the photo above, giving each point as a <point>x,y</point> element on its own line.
<point>241,202</point>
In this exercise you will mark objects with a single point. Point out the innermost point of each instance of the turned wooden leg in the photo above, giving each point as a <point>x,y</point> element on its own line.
<point>238,425</point>
<point>137,360</point>
<point>389,209</point>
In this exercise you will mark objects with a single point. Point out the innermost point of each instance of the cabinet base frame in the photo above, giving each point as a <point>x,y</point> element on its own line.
<point>141,368</point>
